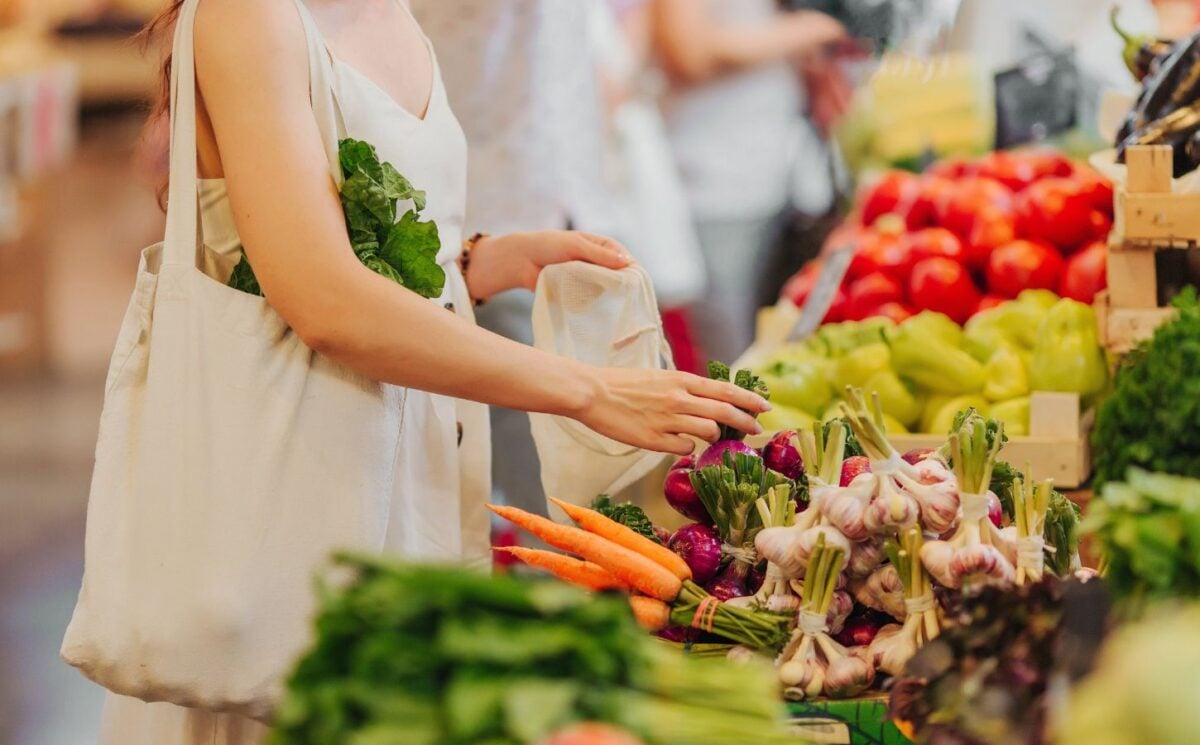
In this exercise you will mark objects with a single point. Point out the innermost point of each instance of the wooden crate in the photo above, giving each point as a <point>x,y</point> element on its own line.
<point>1149,218</point>
<point>1058,443</point>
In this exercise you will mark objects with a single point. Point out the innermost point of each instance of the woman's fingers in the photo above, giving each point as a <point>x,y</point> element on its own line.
<point>600,250</point>
<point>697,426</point>
<point>723,413</point>
<point>673,444</point>
<point>729,393</point>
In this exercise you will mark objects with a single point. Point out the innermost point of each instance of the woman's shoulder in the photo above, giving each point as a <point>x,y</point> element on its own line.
<point>260,43</point>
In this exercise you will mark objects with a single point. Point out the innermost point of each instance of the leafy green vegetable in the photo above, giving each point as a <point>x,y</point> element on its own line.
<point>405,250</point>
<point>432,655</point>
<point>1003,476</point>
<point>628,514</point>
<point>1149,530</point>
<point>1150,420</point>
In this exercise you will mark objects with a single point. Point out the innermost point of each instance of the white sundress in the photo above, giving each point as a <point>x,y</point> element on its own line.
<point>444,459</point>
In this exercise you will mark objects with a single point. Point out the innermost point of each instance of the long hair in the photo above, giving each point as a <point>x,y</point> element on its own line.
<point>152,152</point>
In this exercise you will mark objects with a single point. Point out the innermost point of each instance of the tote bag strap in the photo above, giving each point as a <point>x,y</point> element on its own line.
<point>182,198</point>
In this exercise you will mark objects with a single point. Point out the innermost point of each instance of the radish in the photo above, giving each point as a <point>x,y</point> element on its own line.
<point>852,467</point>
<point>715,454</point>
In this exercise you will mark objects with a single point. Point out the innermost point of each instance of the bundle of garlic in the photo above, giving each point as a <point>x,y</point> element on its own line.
<point>823,449</point>
<point>978,551</point>
<point>1030,504</point>
<point>875,502</point>
<point>813,663</point>
<point>932,484</point>
<point>895,644</point>
<point>777,511</point>
<point>883,591</point>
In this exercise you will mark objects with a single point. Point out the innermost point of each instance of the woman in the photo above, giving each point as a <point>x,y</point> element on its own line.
<point>746,154</point>
<point>266,190</point>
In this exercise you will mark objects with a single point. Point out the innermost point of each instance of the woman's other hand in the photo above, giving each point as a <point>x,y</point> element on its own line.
<point>662,410</point>
<point>516,260</point>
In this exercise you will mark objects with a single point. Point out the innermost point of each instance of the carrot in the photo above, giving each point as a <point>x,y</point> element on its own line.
<point>594,522</point>
<point>630,567</point>
<point>653,615</point>
<point>567,568</point>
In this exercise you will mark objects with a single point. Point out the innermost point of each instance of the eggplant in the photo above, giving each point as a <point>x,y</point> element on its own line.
<point>1160,88</point>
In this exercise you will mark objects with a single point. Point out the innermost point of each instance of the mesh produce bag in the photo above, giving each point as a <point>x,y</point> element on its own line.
<point>603,318</point>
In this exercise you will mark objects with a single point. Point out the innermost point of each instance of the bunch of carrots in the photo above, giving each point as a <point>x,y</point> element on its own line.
<point>610,556</point>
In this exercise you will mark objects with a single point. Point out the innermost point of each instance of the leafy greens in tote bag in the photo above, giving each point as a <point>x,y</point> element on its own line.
<point>231,461</point>
<point>404,251</point>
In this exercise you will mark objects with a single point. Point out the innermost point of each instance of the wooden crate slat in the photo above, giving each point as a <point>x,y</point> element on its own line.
<point>1132,278</point>
<point>1159,218</point>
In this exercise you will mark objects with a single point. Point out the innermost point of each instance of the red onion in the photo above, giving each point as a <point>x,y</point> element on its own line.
<point>686,462</point>
<point>731,584</point>
<point>756,577</point>
<point>682,496</point>
<point>782,456</point>
<point>854,466</point>
<point>860,630</point>
<point>916,455</point>
<point>715,454</point>
<point>700,547</point>
<point>679,634</point>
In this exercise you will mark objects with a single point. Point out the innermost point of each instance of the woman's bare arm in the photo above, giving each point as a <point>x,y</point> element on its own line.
<point>694,47</point>
<point>252,71</point>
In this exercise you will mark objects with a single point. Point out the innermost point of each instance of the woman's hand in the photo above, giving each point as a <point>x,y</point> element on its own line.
<point>509,261</point>
<point>661,410</point>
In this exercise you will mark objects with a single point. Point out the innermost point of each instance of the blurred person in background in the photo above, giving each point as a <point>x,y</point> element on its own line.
<point>753,92</point>
<point>522,80</point>
<point>654,219</point>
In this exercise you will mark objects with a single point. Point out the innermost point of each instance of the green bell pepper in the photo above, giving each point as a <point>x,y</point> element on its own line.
<point>896,398</point>
<point>1005,374</point>
<point>1067,355</point>
<point>932,363</point>
<point>1014,413</point>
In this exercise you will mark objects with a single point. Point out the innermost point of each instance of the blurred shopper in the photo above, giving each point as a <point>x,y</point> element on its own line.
<point>654,219</point>
<point>387,369</point>
<point>522,80</point>
<point>746,152</point>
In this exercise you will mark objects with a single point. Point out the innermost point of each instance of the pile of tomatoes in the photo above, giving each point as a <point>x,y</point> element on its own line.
<point>968,234</point>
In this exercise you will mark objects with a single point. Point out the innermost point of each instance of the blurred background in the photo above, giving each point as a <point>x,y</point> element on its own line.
<point>77,203</point>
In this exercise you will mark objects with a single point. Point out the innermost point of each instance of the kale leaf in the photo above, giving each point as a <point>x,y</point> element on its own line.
<point>628,514</point>
<point>1150,420</point>
<point>404,251</point>
<point>742,379</point>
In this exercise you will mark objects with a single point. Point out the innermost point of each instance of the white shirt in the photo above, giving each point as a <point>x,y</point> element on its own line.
<point>522,82</point>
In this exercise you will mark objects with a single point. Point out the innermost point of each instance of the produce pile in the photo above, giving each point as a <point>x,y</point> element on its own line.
<point>827,551</point>
<point>927,368</point>
<point>429,655</point>
<point>968,234</point>
<point>1167,111</point>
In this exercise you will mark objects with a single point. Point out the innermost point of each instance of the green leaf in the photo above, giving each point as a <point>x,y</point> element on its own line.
<point>412,248</point>
<point>372,261</point>
<point>361,189</point>
<point>535,708</point>
<point>399,188</point>
<point>243,278</point>
<point>627,514</point>
<point>356,154</point>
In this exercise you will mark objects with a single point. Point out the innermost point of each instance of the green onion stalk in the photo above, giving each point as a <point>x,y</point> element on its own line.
<point>894,645</point>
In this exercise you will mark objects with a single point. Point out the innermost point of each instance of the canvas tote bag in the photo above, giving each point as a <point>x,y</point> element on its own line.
<point>604,318</point>
<point>231,460</point>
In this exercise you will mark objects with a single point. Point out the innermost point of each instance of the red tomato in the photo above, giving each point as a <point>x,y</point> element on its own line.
<point>895,311</point>
<point>1011,169</point>
<point>952,168</point>
<point>878,252</point>
<point>935,191</point>
<point>989,301</point>
<point>838,309</point>
<point>867,293</point>
<point>591,734</point>
<point>972,196</point>
<point>991,228</point>
<point>1023,265</point>
<point>1101,225</point>
<point>1085,273</point>
<point>923,244</point>
<point>889,193</point>
<point>801,284</point>
<point>1098,189</point>
<point>943,285</point>
<point>1047,163</point>
<point>1055,210</point>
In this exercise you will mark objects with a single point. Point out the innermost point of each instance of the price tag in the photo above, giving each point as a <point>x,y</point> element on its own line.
<point>821,297</point>
<point>1037,99</point>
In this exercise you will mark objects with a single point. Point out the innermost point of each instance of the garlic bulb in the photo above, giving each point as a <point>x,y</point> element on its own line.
<point>864,558</point>
<point>883,591</point>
